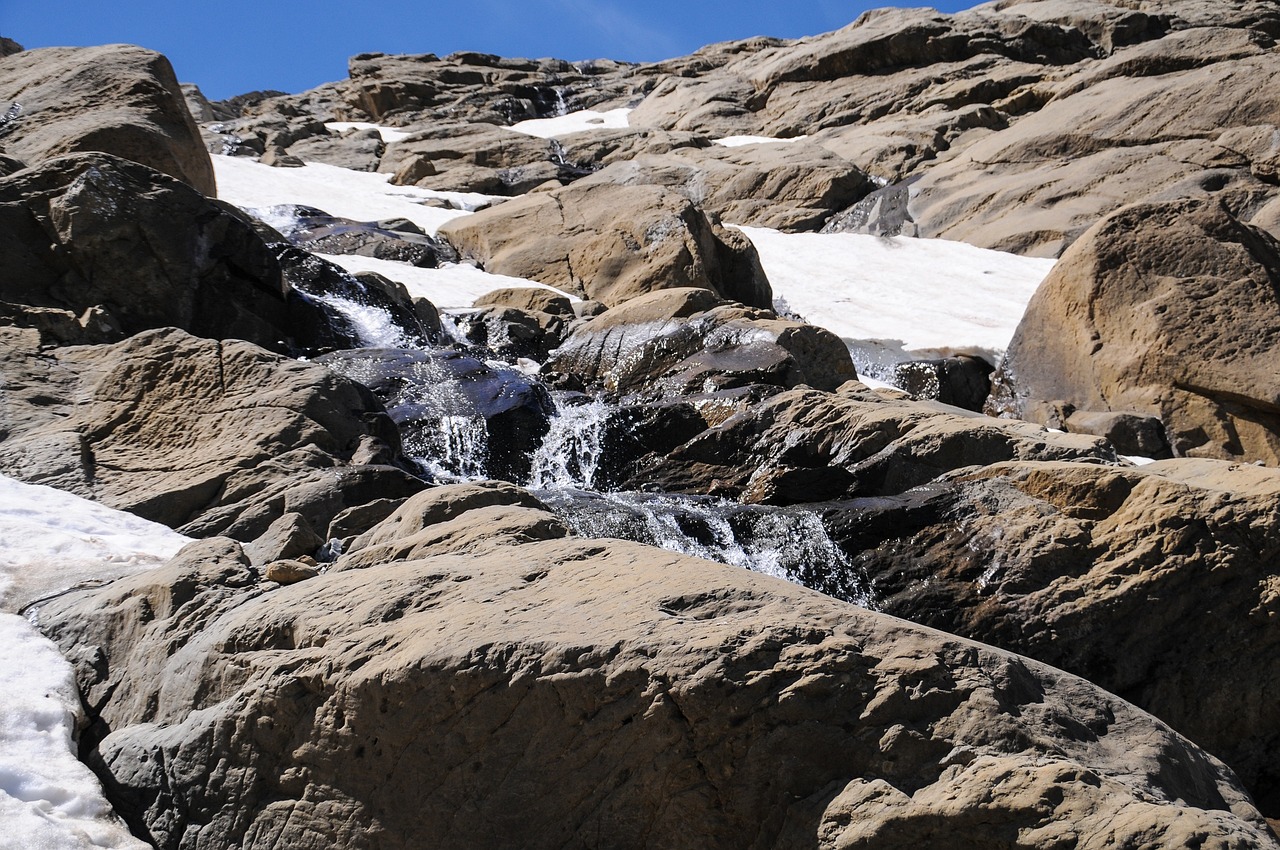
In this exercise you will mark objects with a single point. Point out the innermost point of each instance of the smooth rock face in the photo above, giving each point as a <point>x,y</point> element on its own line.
<point>670,701</point>
<point>182,430</point>
<point>611,243</point>
<point>1169,310</point>
<point>91,231</point>
<point>1157,583</point>
<point>117,99</point>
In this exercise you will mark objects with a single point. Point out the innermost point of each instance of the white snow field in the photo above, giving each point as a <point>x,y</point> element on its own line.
<point>452,286</point>
<point>738,141</point>
<point>573,122</point>
<point>49,540</point>
<point>388,134</point>
<point>925,294</point>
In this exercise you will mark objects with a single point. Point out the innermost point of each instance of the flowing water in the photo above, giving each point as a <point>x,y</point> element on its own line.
<point>449,437</point>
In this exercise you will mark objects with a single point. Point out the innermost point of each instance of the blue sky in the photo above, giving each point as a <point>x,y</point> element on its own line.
<point>232,46</point>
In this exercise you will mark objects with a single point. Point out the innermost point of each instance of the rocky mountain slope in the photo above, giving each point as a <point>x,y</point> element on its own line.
<point>372,645</point>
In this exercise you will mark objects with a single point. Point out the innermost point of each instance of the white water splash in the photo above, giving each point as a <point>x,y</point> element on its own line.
<point>571,451</point>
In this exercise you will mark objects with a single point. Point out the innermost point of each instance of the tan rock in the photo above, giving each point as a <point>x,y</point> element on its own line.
<point>554,689</point>
<point>611,243</point>
<point>1168,310</point>
<point>117,99</point>
<point>289,572</point>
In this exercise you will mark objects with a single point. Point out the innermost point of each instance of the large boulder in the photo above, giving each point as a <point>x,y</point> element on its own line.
<point>1157,583</point>
<point>1168,310</point>
<point>93,232</point>
<point>679,341</point>
<point>212,437</point>
<point>551,691</point>
<point>610,243</point>
<point>118,99</point>
<point>472,158</point>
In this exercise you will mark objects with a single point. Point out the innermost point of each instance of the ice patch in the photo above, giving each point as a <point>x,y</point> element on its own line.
<point>573,122</point>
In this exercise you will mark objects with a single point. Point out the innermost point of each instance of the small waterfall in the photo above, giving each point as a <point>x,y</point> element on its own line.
<point>571,451</point>
<point>373,326</point>
<point>447,436</point>
<point>790,543</point>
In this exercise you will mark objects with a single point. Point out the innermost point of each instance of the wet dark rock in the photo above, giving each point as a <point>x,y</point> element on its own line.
<point>1130,433</point>
<point>963,381</point>
<point>321,233</point>
<point>420,387</point>
<point>511,333</point>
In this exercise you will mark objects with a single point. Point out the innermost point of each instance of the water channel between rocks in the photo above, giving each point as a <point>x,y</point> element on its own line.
<point>467,415</point>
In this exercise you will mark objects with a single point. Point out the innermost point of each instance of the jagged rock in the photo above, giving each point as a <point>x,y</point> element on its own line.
<point>629,691</point>
<point>475,87</point>
<point>787,187</point>
<point>429,393</point>
<point>1168,310</point>
<point>512,333</point>
<point>8,47</point>
<point>682,341</point>
<point>92,231</point>
<point>185,431</point>
<point>117,99</point>
<point>851,443</point>
<point>197,104</point>
<point>1157,583</point>
<point>611,243</point>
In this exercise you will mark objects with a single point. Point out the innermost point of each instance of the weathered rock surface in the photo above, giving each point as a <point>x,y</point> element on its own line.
<point>473,158</point>
<point>611,243</point>
<point>117,99</point>
<point>1157,583</point>
<point>681,341</point>
<point>1168,310</point>
<point>668,700</point>
<point>92,232</point>
<point>212,437</point>
<point>804,445</point>
<point>787,187</point>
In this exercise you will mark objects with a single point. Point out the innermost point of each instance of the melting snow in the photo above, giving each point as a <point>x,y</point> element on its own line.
<point>50,540</point>
<point>574,122</point>
<point>452,286</point>
<point>388,134</point>
<point>358,195</point>
<point>925,293</point>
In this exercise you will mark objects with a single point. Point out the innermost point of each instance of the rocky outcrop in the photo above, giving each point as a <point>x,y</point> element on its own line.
<point>1157,583</point>
<point>474,87</point>
<point>807,446</point>
<point>94,236</point>
<point>611,243</point>
<point>674,342</point>
<point>117,99</point>
<point>784,186</point>
<point>473,158</point>
<point>206,436</point>
<point>1166,310</point>
<point>668,701</point>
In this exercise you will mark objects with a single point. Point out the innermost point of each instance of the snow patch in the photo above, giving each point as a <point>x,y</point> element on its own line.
<point>452,286</point>
<point>358,195</point>
<point>50,540</point>
<point>388,134</point>
<point>573,122</point>
<point>738,141</point>
<point>930,294</point>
